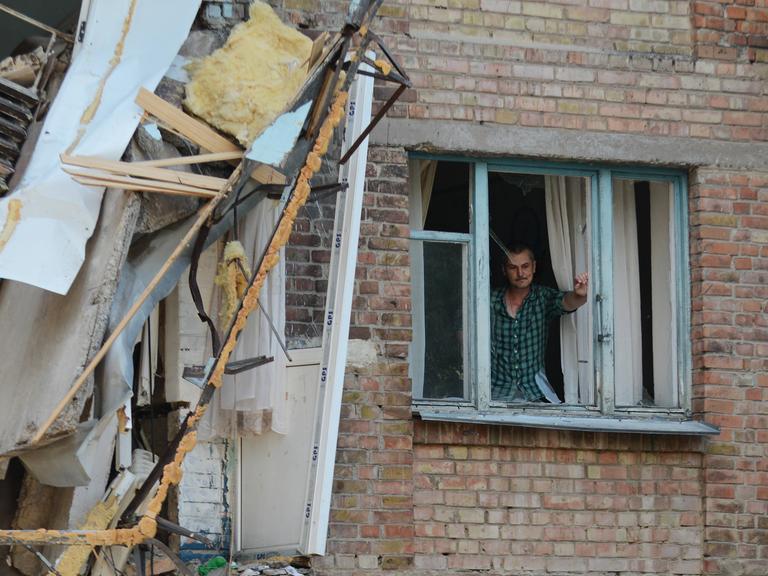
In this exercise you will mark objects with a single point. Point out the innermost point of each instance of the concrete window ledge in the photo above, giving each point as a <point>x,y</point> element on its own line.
<point>647,425</point>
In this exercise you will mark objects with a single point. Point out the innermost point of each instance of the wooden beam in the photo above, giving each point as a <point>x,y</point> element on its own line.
<point>200,133</point>
<point>196,159</point>
<point>202,217</point>
<point>268,175</point>
<point>150,172</point>
<point>197,131</point>
<point>145,186</point>
<point>137,183</point>
<point>318,47</point>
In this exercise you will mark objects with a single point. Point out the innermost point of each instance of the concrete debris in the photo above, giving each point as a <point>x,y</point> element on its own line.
<point>276,568</point>
<point>23,68</point>
<point>158,210</point>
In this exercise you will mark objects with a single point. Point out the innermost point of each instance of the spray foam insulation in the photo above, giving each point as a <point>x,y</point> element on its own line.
<point>243,86</point>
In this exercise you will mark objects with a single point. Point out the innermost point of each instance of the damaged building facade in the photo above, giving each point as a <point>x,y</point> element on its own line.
<point>663,100</point>
<point>622,137</point>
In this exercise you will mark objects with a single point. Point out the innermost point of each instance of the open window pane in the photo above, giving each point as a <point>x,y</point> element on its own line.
<point>443,311</point>
<point>550,215</point>
<point>644,290</point>
<point>443,202</point>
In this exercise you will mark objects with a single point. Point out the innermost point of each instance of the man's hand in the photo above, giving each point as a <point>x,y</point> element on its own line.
<point>581,284</point>
<point>578,296</point>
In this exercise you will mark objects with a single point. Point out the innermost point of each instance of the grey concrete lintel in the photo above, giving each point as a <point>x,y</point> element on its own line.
<point>501,140</point>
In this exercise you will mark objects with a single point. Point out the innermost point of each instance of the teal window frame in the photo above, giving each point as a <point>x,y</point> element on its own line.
<point>478,406</point>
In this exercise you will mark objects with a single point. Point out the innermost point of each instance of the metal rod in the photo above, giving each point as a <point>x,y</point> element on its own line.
<point>380,43</point>
<point>274,331</point>
<point>267,316</point>
<point>379,115</point>
<point>392,76</point>
<point>138,560</point>
<point>169,526</point>
<point>63,35</point>
<point>170,554</point>
<point>43,560</point>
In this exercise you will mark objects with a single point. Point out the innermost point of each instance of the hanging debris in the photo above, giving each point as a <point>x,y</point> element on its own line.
<point>242,87</point>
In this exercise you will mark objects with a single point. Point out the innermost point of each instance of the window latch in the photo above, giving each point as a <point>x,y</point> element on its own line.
<point>602,337</point>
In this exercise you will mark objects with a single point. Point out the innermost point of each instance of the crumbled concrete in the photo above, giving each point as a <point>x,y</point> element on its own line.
<point>201,43</point>
<point>159,210</point>
<point>64,330</point>
<point>361,354</point>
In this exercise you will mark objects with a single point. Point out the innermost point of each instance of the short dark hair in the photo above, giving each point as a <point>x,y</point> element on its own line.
<point>519,248</point>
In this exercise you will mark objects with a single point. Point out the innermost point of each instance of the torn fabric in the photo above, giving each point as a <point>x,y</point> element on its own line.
<point>253,392</point>
<point>128,44</point>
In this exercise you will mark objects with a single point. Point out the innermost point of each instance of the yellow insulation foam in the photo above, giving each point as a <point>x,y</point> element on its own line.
<point>231,279</point>
<point>74,557</point>
<point>14,214</point>
<point>243,86</point>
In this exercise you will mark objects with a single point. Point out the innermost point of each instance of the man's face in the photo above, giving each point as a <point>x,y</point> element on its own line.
<point>519,269</point>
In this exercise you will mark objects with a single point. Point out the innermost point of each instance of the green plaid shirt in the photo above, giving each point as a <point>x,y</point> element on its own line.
<point>518,344</point>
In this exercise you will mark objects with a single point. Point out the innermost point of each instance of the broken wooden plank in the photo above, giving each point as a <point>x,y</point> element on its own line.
<point>268,175</point>
<point>149,172</point>
<point>128,183</point>
<point>189,127</point>
<point>318,47</point>
<point>140,187</point>
<point>196,159</point>
<point>200,133</point>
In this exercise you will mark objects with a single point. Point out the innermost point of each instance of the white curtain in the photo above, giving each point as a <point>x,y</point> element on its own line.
<point>626,288</point>
<point>256,398</point>
<point>427,171</point>
<point>422,180</point>
<point>662,295</point>
<point>567,230</point>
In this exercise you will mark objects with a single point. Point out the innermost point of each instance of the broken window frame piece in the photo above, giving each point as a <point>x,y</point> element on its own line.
<point>338,308</point>
<point>605,414</point>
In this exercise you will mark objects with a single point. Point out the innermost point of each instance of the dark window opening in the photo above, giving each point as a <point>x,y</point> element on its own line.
<point>643,214</point>
<point>518,213</point>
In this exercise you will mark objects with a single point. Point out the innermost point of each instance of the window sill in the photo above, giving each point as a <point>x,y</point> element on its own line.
<point>646,425</point>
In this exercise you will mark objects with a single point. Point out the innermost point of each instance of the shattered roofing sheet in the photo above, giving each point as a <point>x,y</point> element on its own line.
<point>128,44</point>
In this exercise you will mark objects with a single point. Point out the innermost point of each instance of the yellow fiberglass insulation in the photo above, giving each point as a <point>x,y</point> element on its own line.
<point>244,85</point>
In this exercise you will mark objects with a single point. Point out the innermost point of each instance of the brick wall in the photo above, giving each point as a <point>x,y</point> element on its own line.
<point>627,66</point>
<point>372,509</point>
<point>735,30</point>
<point>528,501</point>
<point>417,497</point>
<point>729,261</point>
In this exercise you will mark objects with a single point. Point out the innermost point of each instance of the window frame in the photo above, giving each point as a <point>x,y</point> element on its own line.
<point>478,406</point>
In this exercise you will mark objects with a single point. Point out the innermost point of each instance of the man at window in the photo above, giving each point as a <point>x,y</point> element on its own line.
<point>520,317</point>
